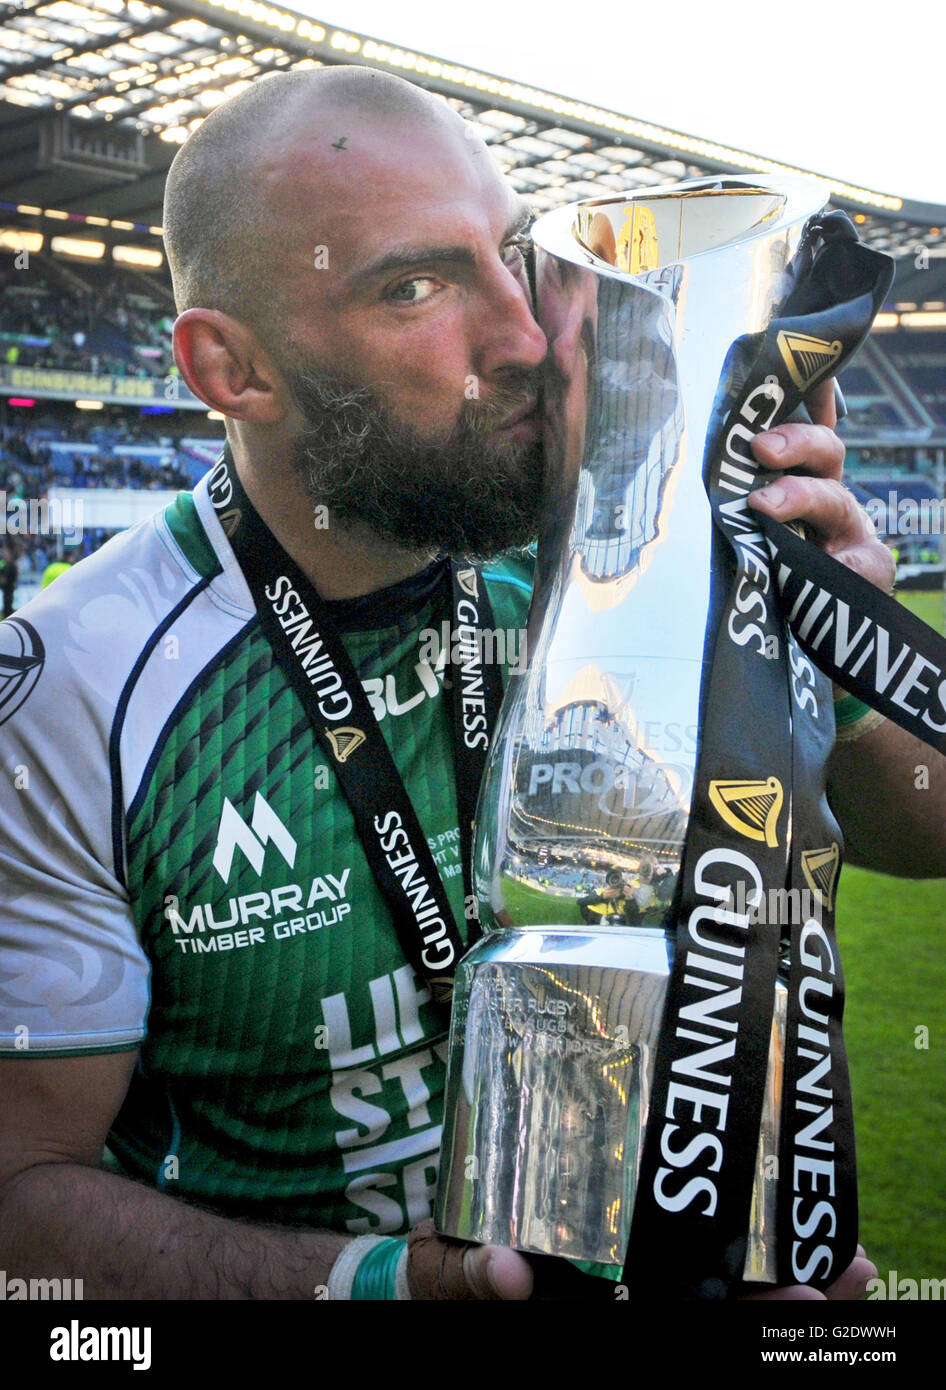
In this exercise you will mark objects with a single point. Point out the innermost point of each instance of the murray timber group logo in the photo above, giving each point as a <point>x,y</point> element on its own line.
<point>22,657</point>
<point>252,839</point>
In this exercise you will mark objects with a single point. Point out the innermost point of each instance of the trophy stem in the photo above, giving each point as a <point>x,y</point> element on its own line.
<point>552,1048</point>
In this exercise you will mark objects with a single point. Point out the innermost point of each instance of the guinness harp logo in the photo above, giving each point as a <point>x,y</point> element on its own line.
<point>442,988</point>
<point>467,582</point>
<point>230,521</point>
<point>820,867</point>
<point>807,358</point>
<point>344,741</point>
<point>751,808</point>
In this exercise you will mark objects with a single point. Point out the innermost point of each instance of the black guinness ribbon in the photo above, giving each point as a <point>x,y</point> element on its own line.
<point>866,642</point>
<point>873,646</point>
<point>315,662</point>
<point>476,696</point>
<point>760,831</point>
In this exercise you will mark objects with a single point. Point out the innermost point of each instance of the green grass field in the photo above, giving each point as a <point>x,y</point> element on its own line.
<point>892,934</point>
<point>926,605</point>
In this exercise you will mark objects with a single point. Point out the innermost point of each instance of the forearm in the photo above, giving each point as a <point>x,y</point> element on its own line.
<point>888,790</point>
<point>125,1240</point>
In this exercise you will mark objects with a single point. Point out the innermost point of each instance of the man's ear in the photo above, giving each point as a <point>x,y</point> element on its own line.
<point>224,364</point>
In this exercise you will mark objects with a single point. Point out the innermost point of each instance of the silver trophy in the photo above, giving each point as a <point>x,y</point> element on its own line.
<point>583,812</point>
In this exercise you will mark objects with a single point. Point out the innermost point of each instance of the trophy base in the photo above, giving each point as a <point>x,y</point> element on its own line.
<point>552,1047</point>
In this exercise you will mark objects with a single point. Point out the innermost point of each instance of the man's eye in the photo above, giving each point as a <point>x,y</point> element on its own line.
<point>514,251</point>
<point>413,291</point>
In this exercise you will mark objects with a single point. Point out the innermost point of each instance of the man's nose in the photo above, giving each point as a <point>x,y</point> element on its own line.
<point>506,329</point>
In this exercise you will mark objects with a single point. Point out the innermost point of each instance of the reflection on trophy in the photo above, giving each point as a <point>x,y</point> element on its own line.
<point>584,810</point>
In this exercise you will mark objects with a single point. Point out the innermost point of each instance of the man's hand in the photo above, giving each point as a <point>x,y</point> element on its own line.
<point>890,823</point>
<point>440,1269</point>
<point>836,520</point>
<point>449,1269</point>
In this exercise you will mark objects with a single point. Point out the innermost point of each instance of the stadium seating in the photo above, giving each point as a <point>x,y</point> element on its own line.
<point>898,383</point>
<point>44,453</point>
<point>89,318</point>
<point>922,359</point>
<point>48,454</point>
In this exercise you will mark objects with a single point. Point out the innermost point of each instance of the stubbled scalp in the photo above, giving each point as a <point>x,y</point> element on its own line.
<point>220,230</point>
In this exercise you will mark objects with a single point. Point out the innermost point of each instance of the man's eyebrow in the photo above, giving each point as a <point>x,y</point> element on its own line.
<point>409,257</point>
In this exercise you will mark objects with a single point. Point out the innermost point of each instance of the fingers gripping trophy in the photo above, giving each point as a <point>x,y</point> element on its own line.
<point>646,1065</point>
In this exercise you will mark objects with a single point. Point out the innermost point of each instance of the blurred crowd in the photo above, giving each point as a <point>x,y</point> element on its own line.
<point>91,319</point>
<point>29,465</point>
<point>35,456</point>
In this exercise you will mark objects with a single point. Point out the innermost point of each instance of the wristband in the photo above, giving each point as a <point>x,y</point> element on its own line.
<point>376,1273</point>
<point>864,724</point>
<point>852,717</point>
<point>370,1268</point>
<point>848,709</point>
<point>401,1290</point>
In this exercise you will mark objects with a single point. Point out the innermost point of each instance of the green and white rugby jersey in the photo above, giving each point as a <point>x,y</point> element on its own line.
<point>180,872</point>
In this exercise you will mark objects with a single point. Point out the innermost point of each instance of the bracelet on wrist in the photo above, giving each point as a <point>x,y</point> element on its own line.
<point>370,1268</point>
<point>852,718</point>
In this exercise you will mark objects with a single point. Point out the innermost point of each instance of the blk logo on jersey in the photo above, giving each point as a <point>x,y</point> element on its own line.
<point>22,657</point>
<point>252,839</point>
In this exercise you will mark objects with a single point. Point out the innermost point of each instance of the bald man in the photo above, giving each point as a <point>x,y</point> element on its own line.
<point>197,963</point>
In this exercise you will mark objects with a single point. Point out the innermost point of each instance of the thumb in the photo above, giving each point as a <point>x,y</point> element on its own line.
<point>494,1272</point>
<point>441,1268</point>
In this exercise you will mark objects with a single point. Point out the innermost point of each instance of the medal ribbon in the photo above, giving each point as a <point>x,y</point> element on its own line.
<point>310,651</point>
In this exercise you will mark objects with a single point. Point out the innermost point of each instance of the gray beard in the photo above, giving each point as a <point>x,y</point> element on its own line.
<point>463,494</point>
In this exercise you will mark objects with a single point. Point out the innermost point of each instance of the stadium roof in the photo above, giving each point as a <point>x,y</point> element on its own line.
<point>96,96</point>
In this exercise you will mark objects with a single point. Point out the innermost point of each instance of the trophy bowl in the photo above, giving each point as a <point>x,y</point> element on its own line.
<point>584,809</point>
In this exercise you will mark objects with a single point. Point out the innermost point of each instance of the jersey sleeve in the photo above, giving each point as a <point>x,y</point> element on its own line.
<point>73,976</point>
